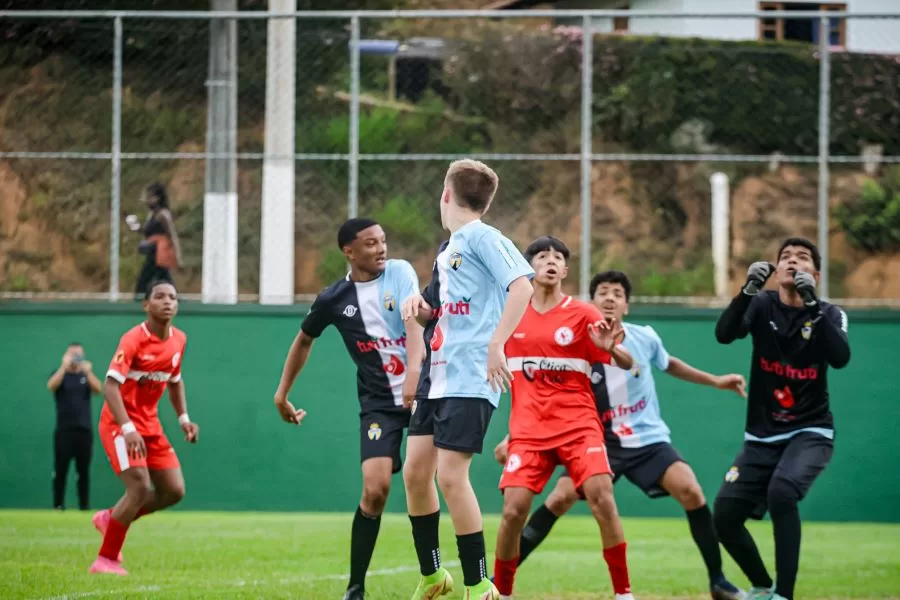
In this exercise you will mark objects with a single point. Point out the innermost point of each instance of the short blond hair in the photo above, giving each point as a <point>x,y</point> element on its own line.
<point>472,183</point>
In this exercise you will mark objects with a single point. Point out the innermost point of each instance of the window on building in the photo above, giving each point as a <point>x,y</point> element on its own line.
<point>802,30</point>
<point>601,24</point>
<point>620,24</point>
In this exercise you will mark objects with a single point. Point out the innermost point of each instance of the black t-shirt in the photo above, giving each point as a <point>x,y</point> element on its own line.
<point>792,350</point>
<point>73,402</point>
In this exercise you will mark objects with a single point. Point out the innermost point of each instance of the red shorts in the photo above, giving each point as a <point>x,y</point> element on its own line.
<point>582,457</point>
<point>160,453</point>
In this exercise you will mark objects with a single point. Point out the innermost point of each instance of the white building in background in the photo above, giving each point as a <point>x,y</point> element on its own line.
<point>853,35</point>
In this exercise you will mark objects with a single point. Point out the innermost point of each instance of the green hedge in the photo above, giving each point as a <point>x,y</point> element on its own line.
<point>872,222</point>
<point>746,97</point>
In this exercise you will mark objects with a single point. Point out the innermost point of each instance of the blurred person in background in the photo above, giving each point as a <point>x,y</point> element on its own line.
<point>160,245</point>
<point>72,385</point>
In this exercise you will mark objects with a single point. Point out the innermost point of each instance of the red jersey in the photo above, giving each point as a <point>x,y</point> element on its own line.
<point>550,356</point>
<point>144,365</point>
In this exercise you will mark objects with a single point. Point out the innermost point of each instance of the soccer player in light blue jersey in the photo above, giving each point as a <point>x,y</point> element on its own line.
<point>637,439</point>
<point>480,288</point>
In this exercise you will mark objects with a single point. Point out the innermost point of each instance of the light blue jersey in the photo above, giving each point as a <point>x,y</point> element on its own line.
<point>627,400</point>
<point>470,283</point>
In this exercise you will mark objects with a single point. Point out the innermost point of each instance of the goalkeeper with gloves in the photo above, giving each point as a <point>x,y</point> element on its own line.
<point>789,432</point>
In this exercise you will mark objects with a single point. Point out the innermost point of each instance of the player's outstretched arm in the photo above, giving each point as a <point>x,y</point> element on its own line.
<point>682,370</point>
<point>179,402</point>
<point>293,364</point>
<point>608,335</point>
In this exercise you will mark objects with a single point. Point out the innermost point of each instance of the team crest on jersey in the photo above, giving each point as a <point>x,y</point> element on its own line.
<point>529,369</point>
<point>596,377</point>
<point>175,358</point>
<point>732,475</point>
<point>350,311</point>
<point>455,261</point>
<point>389,303</point>
<point>564,336</point>
<point>374,432</point>
<point>635,371</point>
<point>806,332</point>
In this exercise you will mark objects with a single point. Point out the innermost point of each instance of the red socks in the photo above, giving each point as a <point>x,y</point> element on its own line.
<point>505,575</point>
<point>113,540</point>
<point>618,568</point>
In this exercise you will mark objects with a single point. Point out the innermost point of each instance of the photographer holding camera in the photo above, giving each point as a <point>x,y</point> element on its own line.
<point>72,385</point>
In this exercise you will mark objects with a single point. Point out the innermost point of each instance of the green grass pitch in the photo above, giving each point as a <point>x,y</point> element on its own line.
<point>184,554</point>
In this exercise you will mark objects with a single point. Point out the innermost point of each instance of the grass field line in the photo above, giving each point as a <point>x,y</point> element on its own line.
<point>239,583</point>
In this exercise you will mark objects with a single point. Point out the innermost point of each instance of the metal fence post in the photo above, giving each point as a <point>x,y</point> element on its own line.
<point>824,135</point>
<point>353,164</point>
<point>116,177</point>
<point>587,74</point>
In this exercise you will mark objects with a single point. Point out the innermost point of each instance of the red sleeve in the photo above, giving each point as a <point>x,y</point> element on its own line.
<point>124,357</point>
<point>179,358</point>
<point>591,314</point>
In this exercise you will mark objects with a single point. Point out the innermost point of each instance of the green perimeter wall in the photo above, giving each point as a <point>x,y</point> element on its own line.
<point>247,459</point>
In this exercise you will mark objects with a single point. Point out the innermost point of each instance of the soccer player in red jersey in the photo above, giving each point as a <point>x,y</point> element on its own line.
<point>554,417</point>
<point>147,361</point>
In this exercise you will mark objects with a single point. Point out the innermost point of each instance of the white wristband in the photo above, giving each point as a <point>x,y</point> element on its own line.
<point>128,427</point>
<point>184,419</point>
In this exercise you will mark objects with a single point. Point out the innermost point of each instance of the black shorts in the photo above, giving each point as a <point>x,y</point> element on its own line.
<point>644,467</point>
<point>381,434</point>
<point>456,423</point>
<point>798,460</point>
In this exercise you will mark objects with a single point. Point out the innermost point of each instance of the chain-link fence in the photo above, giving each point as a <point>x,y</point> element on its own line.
<point>607,141</point>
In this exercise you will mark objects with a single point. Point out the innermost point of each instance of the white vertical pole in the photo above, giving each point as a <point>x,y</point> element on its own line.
<point>587,76</point>
<point>220,202</point>
<point>353,165</point>
<point>720,232</point>
<point>276,269</point>
<point>116,177</point>
<point>824,135</point>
